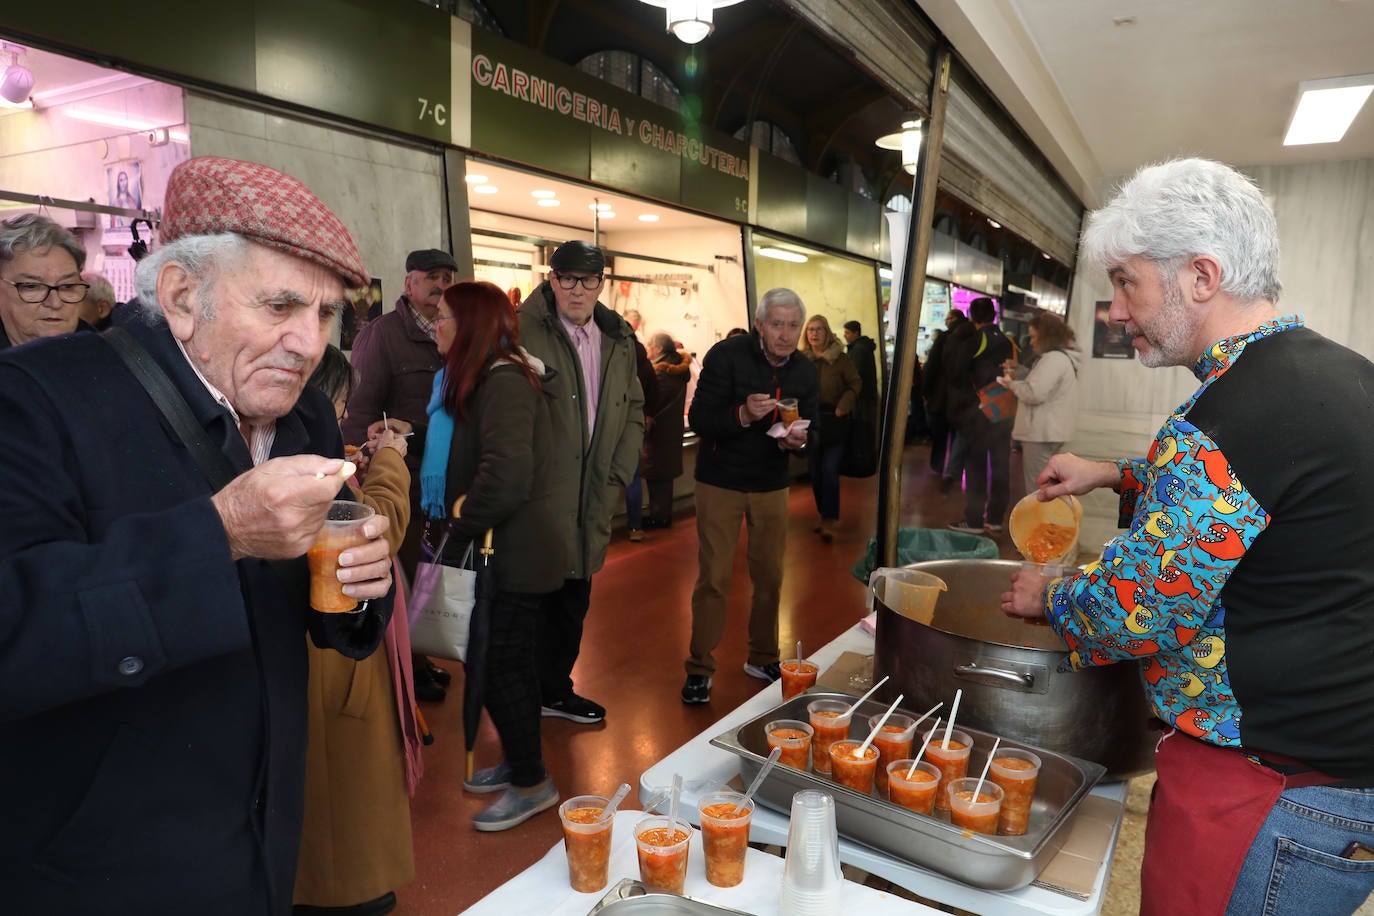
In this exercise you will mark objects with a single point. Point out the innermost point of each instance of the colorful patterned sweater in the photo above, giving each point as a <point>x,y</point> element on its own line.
<point>1245,582</point>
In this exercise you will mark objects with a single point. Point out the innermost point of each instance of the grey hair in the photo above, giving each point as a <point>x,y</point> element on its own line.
<point>201,255</point>
<point>664,341</point>
<point>779,297</point>
<point>32,232</point>
<point>1175,210</point>
<point>101,289</point>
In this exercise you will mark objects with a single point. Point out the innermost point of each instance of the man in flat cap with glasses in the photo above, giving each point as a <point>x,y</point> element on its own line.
<point>152,664</point>
<point>597,407</point>
<point>395,357</point>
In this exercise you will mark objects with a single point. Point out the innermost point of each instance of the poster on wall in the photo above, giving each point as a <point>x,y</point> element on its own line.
<point>124,187</point>
<point>1110,339</point>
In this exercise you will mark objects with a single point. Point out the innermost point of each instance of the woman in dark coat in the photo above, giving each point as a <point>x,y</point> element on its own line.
<point>664,425</point>
<point>489,440</point>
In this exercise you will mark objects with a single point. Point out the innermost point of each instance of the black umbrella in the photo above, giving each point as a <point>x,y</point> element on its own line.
<point>479,630</point>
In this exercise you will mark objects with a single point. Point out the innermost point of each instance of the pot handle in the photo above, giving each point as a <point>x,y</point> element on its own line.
<point>1020,679</point>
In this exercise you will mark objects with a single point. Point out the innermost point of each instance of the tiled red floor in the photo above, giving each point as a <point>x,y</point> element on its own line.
<point>636,637</point>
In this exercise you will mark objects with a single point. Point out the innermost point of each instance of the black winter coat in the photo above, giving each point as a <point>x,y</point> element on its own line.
<point>152,691</point>
<point>745,458</point>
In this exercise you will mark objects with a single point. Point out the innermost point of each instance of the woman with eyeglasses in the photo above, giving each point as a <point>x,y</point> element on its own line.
<point>489,440</point>
<point>40,280</point>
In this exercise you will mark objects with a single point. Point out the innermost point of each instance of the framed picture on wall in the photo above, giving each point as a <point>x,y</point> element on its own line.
<point>124,189</point>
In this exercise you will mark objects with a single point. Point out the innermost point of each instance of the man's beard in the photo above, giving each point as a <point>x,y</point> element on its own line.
<point>1170,331</point>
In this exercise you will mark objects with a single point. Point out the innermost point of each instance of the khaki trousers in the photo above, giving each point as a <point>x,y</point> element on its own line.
<point>719,513</point>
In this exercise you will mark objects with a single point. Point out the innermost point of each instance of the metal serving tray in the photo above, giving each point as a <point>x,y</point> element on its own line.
<point>635,897</point>
<point>998,863</point>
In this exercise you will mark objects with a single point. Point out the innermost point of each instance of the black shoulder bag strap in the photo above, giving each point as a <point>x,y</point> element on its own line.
<point>213,463</point>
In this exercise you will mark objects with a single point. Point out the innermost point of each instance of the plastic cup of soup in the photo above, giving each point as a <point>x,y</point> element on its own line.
<point>952,762</point>
<point>917,791</point>
<point>1017,772</point>
<point>343,528</point>
<point>798,675</point>
<point>850,771</point>
<point>893,742</point>
<point>587,840</point>
<point>725,836</point>
<point>794,737</point>
<point>830,720</point>
<point>976,814</point>
<point>662,845</point>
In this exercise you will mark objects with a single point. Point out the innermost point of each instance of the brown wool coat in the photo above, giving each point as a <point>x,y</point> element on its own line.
<point>355,839</point>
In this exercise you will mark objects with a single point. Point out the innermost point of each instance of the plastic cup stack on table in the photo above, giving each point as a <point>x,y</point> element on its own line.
<point>811,880</point>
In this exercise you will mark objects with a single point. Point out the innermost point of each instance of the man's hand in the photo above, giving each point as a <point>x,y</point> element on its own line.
<point>1067,473</point>
<point>757,406</point>
<point>274,511</point>
<point>795,439</point>
<point>389,439</point>
<point>841,412</point>
<point>366,568</point>
<point>1027,595</point>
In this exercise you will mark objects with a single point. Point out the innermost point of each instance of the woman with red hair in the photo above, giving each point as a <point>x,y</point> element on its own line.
<point>489,440</point>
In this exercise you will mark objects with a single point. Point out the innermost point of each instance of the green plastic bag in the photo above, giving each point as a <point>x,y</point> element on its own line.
<point>916,545</point>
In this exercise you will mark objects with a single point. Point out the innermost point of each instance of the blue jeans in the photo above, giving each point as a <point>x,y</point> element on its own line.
<point>1295,865</point>
<point>634,501</point>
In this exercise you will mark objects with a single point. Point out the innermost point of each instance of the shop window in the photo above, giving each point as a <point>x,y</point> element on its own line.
<point>633,73</point>
<point>771,138</point>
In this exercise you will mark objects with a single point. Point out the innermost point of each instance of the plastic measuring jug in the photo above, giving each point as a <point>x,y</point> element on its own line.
<point>910,592</point>
<point>1039,543</point>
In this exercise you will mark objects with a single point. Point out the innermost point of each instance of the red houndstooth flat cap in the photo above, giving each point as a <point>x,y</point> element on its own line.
<point>208,195</point>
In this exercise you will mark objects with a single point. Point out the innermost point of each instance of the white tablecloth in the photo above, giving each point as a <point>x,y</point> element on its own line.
<point>543,888</point>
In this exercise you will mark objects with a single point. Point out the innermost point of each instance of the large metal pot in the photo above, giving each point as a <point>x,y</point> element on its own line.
<point>1008,672</point>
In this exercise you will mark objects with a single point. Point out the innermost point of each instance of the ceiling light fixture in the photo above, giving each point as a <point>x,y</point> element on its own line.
<point>543,194</point>
<point>648,217</point>
<point>474,178</point>
<point>600,208</point>
<point>1326,108</point>
<point>994,224</point>
<point>691,20</point>
<point>549,202</point>
<point>16,83</point>
<point>908,141</point>
<point>607,214</point>
<point>782,254</point>
<point>486,189</point>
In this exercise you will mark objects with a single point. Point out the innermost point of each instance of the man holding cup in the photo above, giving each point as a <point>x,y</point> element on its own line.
<point>742,477</point>
<point>153,626</point>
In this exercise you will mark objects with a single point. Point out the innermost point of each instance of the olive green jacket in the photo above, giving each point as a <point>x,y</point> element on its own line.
<point>587,473</point>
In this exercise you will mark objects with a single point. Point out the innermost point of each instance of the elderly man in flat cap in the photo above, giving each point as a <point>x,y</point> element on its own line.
<point>152,656</point>
<point>597,407</point>
<point>396,358</point>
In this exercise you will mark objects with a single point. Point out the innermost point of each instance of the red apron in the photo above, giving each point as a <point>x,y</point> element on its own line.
<point>1206,809</point>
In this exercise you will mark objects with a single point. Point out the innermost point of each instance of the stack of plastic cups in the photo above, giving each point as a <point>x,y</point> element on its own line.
<point>811,881</point>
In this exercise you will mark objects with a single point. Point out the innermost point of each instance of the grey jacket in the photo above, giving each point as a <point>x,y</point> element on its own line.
<point>1047,398</point>
<point>586,475</point>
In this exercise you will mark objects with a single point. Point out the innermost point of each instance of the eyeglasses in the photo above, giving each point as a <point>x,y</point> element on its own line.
<point>34,293</point>
<point>569,282</point>
<point>441,318</point>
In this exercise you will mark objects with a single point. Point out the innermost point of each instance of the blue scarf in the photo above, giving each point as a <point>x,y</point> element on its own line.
<point>434,466</point>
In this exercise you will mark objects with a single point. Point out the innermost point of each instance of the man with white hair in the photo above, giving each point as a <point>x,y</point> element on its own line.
<point>1244,585</point>
<point>741,477</point>
<point>152,662</point>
